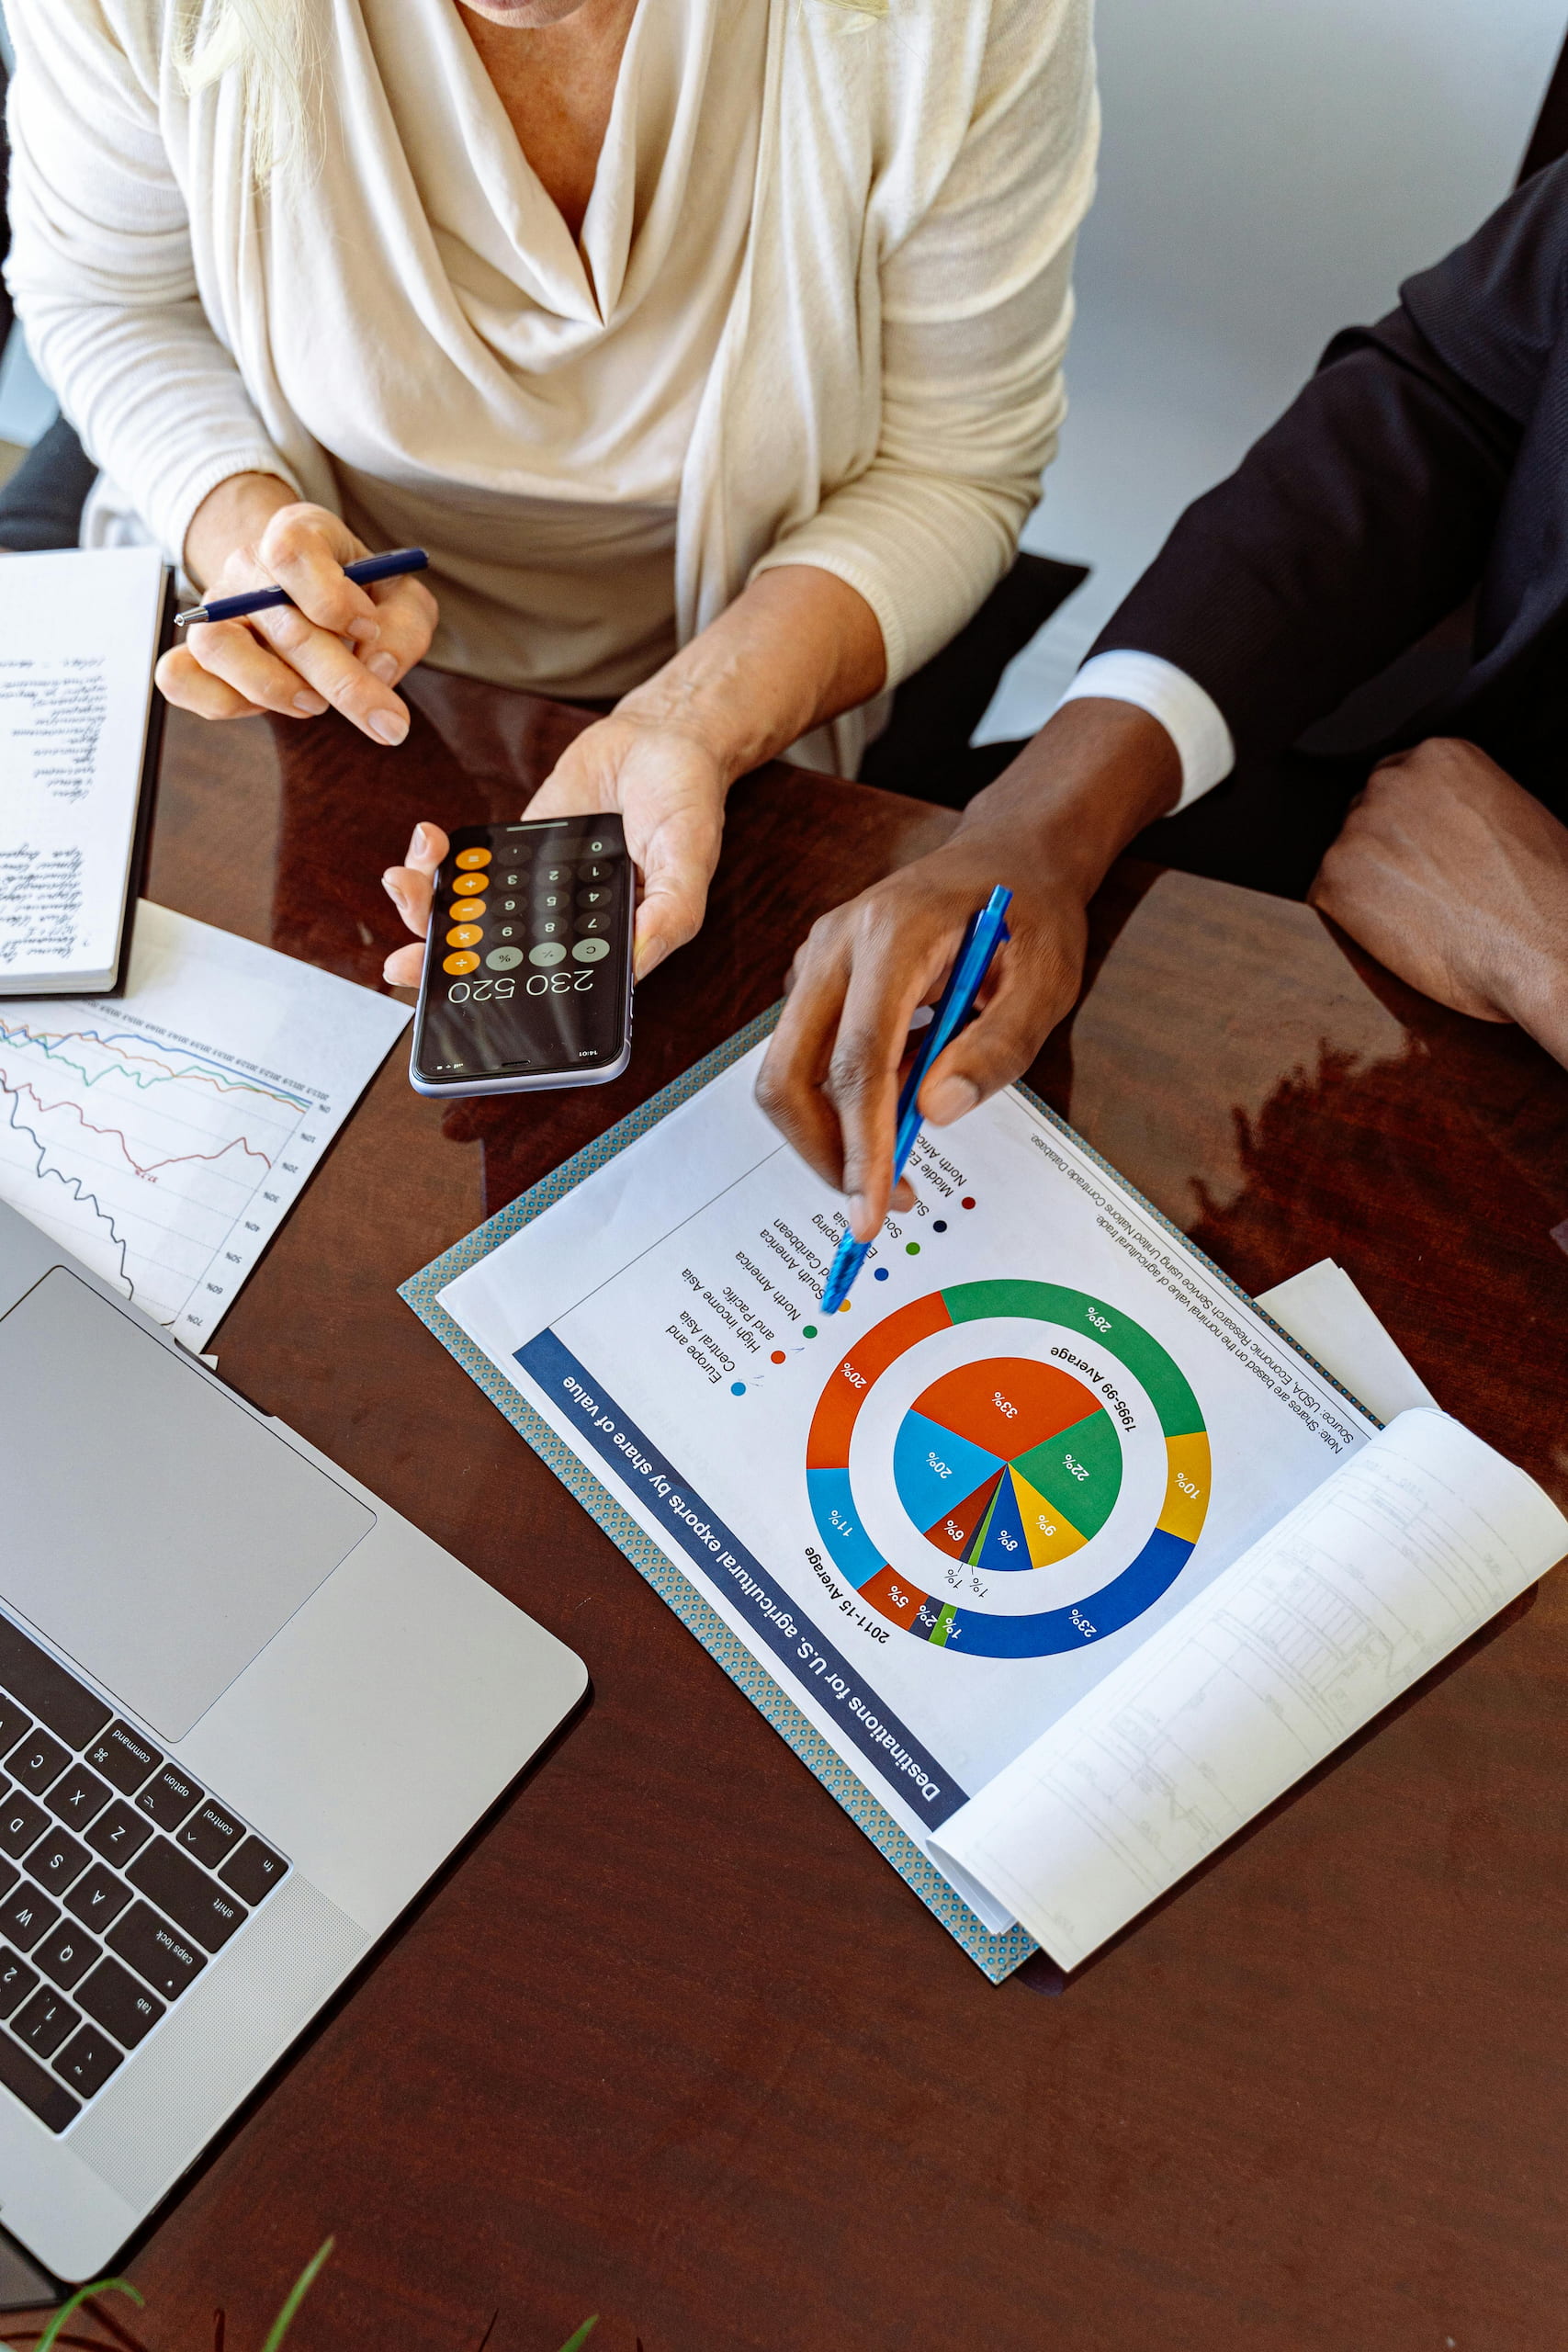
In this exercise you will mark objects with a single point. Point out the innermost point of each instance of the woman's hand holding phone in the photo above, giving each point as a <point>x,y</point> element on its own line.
<point>668,789</point>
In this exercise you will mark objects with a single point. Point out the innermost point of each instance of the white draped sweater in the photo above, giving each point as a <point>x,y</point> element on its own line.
<point>817,314</point>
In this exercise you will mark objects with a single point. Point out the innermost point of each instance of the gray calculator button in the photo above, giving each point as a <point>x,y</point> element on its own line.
<point>591,899</point>
<point>504,959</point>
<point>595,922</point>
<point>549,950</point>
<point>588,951</point>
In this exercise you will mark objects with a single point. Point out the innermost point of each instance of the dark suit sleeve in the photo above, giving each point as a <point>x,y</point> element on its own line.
<point>1364,517</point>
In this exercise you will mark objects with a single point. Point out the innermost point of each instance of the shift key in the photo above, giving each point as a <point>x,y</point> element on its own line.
<point>195,1902</point>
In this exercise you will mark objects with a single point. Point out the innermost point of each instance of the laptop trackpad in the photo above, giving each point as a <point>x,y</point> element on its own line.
<point>149,1526</point>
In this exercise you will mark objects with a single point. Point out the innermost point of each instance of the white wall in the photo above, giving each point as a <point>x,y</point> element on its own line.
<point>26,404</point>
<point>1271,169</point>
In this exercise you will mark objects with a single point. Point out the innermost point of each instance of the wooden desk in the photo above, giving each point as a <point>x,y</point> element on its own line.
<point>671,2042</point>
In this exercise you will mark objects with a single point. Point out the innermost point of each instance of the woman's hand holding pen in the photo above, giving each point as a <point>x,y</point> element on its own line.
<point>337,646</point>
<point>1047,830</point>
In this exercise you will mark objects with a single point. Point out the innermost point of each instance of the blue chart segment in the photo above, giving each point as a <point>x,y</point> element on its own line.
<point>934,1468</point>
<point>1009,1465</point>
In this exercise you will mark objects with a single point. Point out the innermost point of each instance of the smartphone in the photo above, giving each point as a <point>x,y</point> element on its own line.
<point>528,976</point>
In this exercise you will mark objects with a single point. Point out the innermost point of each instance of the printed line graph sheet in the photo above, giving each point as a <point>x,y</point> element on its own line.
<point>162,1137</point>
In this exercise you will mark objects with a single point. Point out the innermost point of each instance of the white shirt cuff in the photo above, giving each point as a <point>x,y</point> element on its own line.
<point>1189,717</point>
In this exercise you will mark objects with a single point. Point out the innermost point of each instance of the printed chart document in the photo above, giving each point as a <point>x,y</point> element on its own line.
<point>163,1136</point>
<point>78,639</point>
<point>1067,1553</point>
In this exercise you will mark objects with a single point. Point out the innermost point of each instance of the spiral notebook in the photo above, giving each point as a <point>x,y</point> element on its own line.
<point>80,731</point>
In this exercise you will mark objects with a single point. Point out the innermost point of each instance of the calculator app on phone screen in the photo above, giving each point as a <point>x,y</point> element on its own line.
<point>527,978</point>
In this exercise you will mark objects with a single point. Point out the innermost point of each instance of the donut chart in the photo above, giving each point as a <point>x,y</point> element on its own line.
<point>1009,1464</point>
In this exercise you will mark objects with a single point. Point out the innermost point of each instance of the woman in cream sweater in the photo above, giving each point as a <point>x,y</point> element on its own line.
<point>712,348</point>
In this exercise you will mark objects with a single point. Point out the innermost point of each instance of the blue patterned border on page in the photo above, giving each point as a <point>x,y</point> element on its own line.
<point>997,1956</point>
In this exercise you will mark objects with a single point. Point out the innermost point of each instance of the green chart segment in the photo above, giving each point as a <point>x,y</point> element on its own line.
<point>1008,1465</point>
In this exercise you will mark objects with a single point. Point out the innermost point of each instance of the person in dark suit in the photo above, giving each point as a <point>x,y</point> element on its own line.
<point>1420,479</point>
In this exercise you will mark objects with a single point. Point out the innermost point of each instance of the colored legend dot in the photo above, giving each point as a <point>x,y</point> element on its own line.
<point>845,1308</point>
<point>911,1249</point>
<point>809,1332</point>
<point>941,1225</point>
<point>880,1275</point>
<point>777,1356</point>
<point>966,1205</point>
<point>738,1388</point>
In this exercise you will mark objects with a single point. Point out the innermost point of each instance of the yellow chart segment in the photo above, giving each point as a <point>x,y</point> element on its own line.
<point>1186,1487</point>
<point>1049,1536</point>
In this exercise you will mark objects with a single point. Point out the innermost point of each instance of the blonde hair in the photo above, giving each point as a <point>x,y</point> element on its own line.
<point>272,48</point>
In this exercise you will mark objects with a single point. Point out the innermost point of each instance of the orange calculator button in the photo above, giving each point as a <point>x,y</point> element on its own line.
<point>469,882</point>
<point>468,858</point>
<point>464,934</point>
<point>466,910</point>
<point>464,961</point>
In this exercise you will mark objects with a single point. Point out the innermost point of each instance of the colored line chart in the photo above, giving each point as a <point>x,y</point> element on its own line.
<point>1011,1464</point>
<point>160,1167</point>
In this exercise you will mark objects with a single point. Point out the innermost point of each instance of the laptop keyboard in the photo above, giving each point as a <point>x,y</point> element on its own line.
<point>120,1882</point>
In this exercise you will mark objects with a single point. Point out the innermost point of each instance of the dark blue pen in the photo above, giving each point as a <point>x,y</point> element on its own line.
<point>261,600</point>
<point>981,940</point>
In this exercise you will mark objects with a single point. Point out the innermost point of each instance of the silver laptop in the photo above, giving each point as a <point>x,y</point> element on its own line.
<point>245,1711</point>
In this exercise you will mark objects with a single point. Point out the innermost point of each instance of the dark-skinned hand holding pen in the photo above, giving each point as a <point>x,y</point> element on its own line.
<point>1049,828</point>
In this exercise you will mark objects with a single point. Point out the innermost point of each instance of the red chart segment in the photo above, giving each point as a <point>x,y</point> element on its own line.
<point>1007,1403</point>
<point>955,1533</point>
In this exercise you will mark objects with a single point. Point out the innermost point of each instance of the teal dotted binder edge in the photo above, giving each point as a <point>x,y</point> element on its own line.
<point>997,1956</point>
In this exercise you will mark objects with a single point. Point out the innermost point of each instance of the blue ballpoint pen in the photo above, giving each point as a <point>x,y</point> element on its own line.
<point>984,935</point>
<point>261,600</point>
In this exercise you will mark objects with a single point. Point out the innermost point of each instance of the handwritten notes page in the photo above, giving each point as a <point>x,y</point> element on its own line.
<point>78,638</point>
<point>1408,1547</point>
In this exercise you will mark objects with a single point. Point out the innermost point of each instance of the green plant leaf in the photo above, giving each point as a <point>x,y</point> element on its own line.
<point>583,2332</point>
<point>51,2335</point>
<point>296,2294</point>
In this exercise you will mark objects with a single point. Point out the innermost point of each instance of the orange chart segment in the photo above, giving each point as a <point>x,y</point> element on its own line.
<point>1048,1532</point>
<point>1007,1403</point>
<point>827,1443</point>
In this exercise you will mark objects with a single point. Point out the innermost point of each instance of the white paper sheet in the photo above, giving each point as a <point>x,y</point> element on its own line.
<point>1322,1310</point>
<point>162,1136</point>
<point>1410,1546</point>
<point>662,1318</point>
<point>78,637</point>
